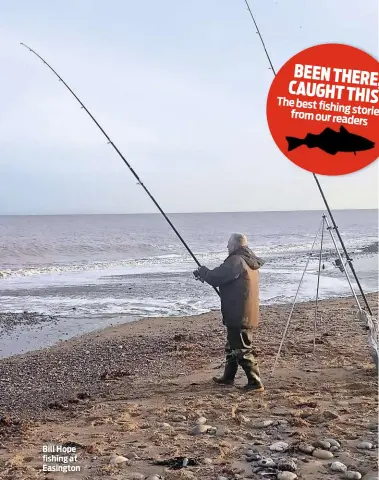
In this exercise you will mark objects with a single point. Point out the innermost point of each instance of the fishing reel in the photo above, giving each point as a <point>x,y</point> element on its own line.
<point>197,276</point>
<point>338,264</point>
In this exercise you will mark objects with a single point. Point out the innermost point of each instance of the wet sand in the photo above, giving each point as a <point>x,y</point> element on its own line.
<point>29,331</point>
<point>137,389</point>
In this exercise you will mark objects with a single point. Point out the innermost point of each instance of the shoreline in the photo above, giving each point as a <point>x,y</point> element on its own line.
<point>115,343</point>
<point>98,295</point>
<point>136,390</point>
<point>47,330</point>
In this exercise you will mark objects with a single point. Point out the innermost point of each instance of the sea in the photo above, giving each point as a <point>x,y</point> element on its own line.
<point>92,271</point>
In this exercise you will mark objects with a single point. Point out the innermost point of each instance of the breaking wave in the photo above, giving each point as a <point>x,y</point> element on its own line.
<point>174,262</point>
<point>371,248</point>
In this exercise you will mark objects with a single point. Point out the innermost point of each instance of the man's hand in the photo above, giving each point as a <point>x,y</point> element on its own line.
<point>197,274</point>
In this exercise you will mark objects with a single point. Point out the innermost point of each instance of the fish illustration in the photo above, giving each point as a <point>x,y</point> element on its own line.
<point>332,142</point>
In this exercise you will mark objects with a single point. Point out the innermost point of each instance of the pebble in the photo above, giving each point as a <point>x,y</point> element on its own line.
<point>306,448</point>
<point>323,444</point>
<point>136,476</point>
<point>208,461</point>
<point>353,475</point>
<point>373,427</point>
<point>279,447</point>
<point>333,442</point>
<point>264,424</point>
<point>199,429</point>
<point>116,459</point>
<point>286,465</point>
<point>222,478</point>
<point>264,472</point>
<point>165,425</point>
<point>179,418</point>
<point>334,449</point>
<point>267,462</point>
<point>253,458</point>
<point>338,467</point>
<point>365,445</point>
<point>287,476</point>
<point>201,421</point>
<point>322,454</point>
<point>154,477</point>
<point>328,415</point>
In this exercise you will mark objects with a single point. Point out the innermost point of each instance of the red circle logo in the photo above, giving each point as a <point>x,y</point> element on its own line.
<point>322,109</point>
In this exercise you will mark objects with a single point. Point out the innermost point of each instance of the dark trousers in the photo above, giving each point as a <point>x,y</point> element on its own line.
<point>239,351</point>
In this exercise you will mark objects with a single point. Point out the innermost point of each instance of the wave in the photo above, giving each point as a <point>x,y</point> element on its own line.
<point>175,262</point>
<point>371,248</point>
<point>24,247</point>
<point>30,249</point>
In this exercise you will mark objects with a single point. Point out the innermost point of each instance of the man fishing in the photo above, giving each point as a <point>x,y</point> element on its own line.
<point>238,281</point>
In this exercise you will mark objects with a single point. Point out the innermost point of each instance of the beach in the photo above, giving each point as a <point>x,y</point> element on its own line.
<point>136,390</point>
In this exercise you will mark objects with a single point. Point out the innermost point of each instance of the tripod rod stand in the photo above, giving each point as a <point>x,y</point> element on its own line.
<point>294,302</point>
<point>324,223</point>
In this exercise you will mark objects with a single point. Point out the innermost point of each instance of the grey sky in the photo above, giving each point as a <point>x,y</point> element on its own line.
<point>181,89</point>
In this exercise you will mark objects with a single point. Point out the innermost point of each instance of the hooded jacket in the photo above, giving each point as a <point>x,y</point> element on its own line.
<point>238,281</point>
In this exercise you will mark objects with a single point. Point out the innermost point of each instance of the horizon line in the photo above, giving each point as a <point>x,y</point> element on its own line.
<point>179,213</point>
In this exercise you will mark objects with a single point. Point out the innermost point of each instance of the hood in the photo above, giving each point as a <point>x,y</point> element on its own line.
<point>250,258</point>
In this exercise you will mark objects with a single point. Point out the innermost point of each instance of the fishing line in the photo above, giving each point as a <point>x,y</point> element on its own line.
<point>123,158</point>
<point>348,259</point>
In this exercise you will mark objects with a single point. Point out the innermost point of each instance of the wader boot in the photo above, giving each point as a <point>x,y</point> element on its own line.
<point>229,374</point>
<point>250,367</point>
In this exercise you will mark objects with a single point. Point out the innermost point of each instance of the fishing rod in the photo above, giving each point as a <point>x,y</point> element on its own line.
<point>123,158</point>
<point>348,258</point>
